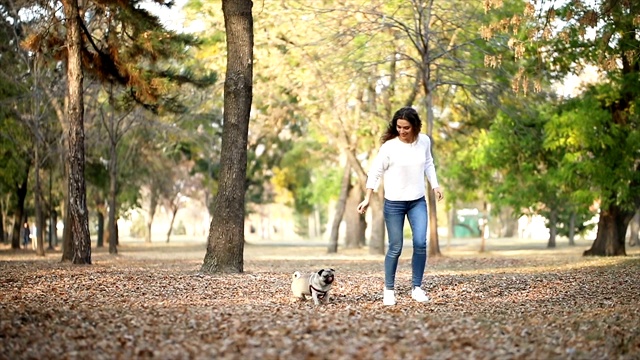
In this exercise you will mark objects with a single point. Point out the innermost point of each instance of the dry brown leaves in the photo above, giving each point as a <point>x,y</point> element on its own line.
<point>134,306</point>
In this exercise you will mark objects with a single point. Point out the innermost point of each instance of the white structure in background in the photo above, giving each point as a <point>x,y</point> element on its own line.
<point>532,227</point>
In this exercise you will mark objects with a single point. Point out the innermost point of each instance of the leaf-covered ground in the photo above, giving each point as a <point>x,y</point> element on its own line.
<point>151,302</point>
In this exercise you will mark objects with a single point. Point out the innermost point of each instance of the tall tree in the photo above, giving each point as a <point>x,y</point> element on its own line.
<point>519,171</point>
<point>443,45</point>
<point>75,114</point>
<point>565,37</point>
<point>345,87</point>
<point>117,120</point>
<point>118,43</point>
<point>277,122</point>
<point>19,118</point>
<point>398,53</point>
<point>225,243</point>
<point>597,148</point>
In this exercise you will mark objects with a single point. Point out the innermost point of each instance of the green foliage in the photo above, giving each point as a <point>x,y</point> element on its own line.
<point>16,140</point>
<point>16,151</point>
<point>326,184</point>
<point>303,174</point>
<point>126,46</point>
<point>511,164</point>
<point>294,175</point>
<point>513,152</point>
<point>582,221</point>
<point>597,150</point>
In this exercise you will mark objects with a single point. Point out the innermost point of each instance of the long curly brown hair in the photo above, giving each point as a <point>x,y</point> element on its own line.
<point>406,113</point>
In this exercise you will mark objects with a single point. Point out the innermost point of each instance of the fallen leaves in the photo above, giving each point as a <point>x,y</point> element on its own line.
<point>482,308</point>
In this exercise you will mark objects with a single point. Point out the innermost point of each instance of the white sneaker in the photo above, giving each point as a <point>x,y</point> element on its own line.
<point>389,297</point>
<point>419,295</point>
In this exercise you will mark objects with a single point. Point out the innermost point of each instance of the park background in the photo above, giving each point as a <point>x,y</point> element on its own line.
<point>531,108</point>
<point>526,141</point>
<point>516,143</point>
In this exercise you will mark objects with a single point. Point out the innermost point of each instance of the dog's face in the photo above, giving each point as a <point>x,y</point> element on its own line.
<point>325,277</point>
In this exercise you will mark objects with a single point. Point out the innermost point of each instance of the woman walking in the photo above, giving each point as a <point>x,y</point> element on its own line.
<point>403,161</point>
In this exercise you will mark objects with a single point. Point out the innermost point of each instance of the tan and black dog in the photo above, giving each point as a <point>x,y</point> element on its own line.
<point>316,285</point>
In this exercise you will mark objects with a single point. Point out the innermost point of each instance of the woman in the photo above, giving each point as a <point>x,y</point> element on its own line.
<point>404,159</point>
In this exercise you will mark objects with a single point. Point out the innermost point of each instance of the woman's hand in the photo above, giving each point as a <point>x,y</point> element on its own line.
<point>439,193</point>
<point>362,207</point>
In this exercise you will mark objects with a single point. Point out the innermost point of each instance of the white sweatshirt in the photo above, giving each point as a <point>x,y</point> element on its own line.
<point>404,167</point>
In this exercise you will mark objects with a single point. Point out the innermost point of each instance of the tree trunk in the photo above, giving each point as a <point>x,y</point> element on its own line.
<point>553,229</point>
<point>508,223</point>
<point>54,227</point>
<point>340,209</point>
<point>225,244</point>
<point>2,235</point>
<point>67,234</point>
<point>40,227</point>
<point>21,193</point>
<point>362,236</point>
<point>100,242</point>
<point>67,237</point>
<point>113,193</point>
<point>107,231</point>
<point>434,246</point>
<point>355,230</point>
<point>174,212</point>
<point>153,205</point>
<point>483,221</point>
<point>75,114</point>
<point>612,227</point>
<point>427,85</point>
<point>452,223</point>
<point>38,203</point>
<point>314,223</point>
<point>434,242</point>
<point>634,230</point>
<point>378,230</point>
<point>572,229</point>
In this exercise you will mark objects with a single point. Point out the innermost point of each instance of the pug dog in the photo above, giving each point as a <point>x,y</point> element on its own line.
<point>316,285</point>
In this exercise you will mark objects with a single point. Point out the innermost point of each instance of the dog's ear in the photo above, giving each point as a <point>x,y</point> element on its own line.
<point>332,270</point>
<point>320,272</point>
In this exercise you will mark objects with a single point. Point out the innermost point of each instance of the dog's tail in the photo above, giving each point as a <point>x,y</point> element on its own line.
<point>297,275</point>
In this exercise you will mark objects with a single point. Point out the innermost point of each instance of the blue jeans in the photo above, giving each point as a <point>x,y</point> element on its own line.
<point>394,214</point>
